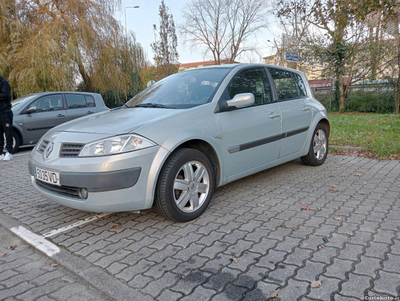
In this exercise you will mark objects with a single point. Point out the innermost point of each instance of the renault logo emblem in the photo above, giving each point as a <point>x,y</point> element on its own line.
<point>49,149</point>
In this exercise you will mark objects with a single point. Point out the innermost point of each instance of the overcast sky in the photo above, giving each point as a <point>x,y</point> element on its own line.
<point>140,21</point>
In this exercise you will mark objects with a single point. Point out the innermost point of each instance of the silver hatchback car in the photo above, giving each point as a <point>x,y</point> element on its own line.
<point>177,140</point>
<point>35,114</point>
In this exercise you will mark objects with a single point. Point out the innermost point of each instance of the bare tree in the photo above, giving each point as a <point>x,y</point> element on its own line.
<point>223,26</point>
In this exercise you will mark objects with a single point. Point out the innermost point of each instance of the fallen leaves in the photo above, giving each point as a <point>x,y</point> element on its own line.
<point>338,218</point>
<point>53,265</point>
<point>294,228</point>
<point>320,247</point>
<point>2,254</point>
<point>234,260</point>
<point>319,209</point>
<point>334,190</point>
<point>316,283</point>
<point>11,247</point>
<point>358,174</point>
<point>116,227</point>
<point>304,208</point>
<point>260,205</point>
<point>275,293</point>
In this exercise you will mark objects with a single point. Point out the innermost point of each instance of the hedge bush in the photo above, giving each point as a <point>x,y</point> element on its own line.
<point>362,101</point>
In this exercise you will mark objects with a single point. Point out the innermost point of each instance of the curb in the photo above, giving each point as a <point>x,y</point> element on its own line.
<point>348,147</point>
<point>100,280</point>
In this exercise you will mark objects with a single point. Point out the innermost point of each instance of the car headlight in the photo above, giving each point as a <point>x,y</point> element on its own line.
<point>115,145</point>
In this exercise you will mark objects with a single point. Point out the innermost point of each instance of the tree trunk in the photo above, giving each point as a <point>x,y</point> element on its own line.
<point>397,95</point>
<point>341,92</point>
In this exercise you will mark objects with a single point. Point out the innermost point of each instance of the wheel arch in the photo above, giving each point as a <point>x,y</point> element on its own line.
<point>326,123</point>
<point>18,132</point>
<point>198,144</point>
<point>207,149</point>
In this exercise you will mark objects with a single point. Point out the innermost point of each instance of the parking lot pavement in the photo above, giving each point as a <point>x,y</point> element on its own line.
<point>279,233</point>
<point>26,274</point>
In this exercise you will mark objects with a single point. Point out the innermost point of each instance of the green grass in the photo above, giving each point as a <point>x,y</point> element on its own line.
<point>378,133</point>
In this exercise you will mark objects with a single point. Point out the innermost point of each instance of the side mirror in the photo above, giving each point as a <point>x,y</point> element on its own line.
<point>150,83</point>
<point>241,100</point>
<point>31,110</point>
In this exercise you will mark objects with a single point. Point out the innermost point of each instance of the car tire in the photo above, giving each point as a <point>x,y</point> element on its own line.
<point>16,143</point>
<point>185,185</point>
<point>319,145</point>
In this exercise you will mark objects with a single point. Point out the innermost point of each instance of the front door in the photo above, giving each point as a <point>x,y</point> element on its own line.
<point>251,135</point>
<point>48,112</point>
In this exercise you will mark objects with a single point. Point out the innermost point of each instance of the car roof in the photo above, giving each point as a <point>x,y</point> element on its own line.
<point>239,66</point>
<point>57,92</point>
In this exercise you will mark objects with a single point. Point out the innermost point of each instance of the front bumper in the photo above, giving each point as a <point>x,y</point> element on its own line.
<point>123,182</point>
<point>98,181</point>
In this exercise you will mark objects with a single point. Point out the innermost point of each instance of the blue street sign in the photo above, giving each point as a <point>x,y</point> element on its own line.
<point>292,56</point>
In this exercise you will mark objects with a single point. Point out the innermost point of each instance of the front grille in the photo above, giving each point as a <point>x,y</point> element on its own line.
<point>70,149</point>
<point>42,146</point>
<point>64,190</point>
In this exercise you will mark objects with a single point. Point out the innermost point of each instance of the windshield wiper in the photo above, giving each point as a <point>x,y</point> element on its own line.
<point>153,105</point>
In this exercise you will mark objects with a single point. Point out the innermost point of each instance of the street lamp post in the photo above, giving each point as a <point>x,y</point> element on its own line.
<point>126,28</point>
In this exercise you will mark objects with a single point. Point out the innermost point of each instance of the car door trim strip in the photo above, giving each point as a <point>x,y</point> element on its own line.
<point>244,146</point>
<point>42,128</point>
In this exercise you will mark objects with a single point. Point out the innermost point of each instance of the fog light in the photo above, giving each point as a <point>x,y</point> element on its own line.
<point>83,193</point>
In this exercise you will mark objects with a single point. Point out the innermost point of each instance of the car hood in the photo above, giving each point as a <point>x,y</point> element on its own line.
<point>117,121</point>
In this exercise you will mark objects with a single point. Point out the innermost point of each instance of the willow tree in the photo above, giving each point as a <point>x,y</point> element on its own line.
<point>52,45</point>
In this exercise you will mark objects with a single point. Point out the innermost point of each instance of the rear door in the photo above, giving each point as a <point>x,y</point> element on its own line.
<point>49,112</point>
<point>251,135</point>
<point>79,105</point>
<point>296,112</point>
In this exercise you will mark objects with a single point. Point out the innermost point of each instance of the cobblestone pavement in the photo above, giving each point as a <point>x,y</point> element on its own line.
<point>26,274</point>
<point>253,240</point>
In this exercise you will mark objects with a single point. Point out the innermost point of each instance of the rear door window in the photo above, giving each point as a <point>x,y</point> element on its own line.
<point>285,84</point>
<point>90,101</point>
<point>75,101</point>
<point>300,85</point>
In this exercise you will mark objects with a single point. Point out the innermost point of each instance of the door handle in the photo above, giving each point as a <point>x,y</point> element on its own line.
<point>274,115</point>
<point>306,108</point>
<point>89,112</point>
<point>60,115</point>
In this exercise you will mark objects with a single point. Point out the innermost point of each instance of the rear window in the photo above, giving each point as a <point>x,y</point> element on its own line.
<point>75,101</point>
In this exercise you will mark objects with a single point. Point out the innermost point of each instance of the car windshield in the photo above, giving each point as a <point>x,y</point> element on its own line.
<point>17,103</point>
<point>181,90</point>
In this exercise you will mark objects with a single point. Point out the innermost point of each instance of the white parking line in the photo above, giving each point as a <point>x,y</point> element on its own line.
<point>77,224</point>
<point>37,241</point>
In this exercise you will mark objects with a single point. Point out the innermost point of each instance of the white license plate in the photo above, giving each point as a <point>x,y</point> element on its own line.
<point>48,176</point>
